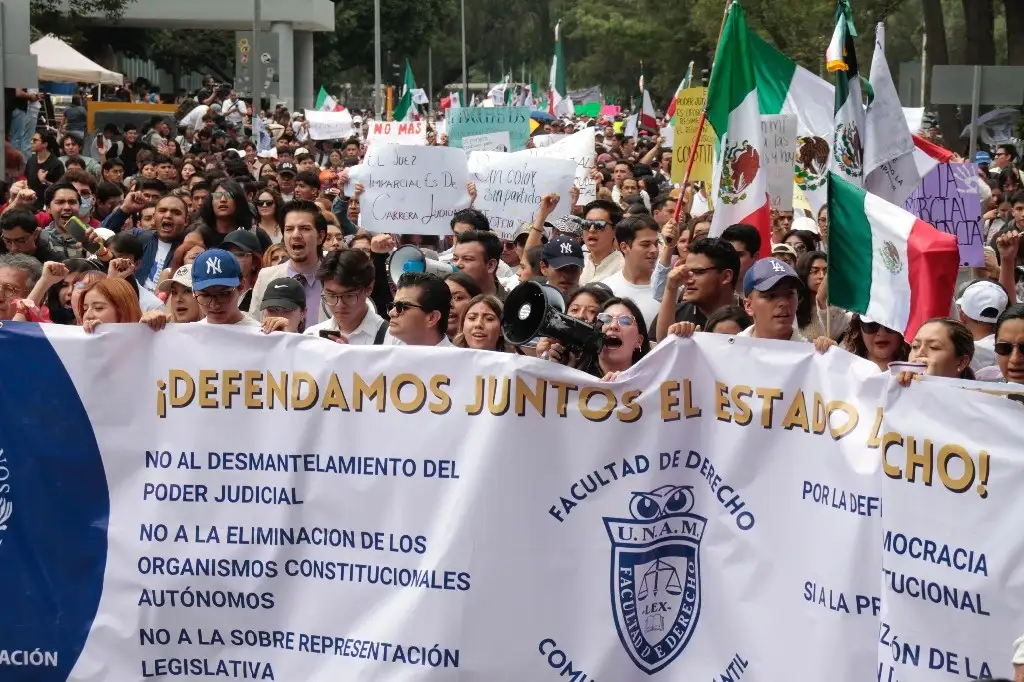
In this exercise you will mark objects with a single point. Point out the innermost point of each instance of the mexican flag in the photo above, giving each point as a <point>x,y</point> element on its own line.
<point>670,112</point>
<point>740,179</point>
<point>559,103</point>
<point>841,58</point>
<point>324,102</point>
<point>406,109</point>
<point>886,263</point>
<point>783,87</point>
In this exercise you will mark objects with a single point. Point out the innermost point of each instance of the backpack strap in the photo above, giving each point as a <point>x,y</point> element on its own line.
<point>382,330</point>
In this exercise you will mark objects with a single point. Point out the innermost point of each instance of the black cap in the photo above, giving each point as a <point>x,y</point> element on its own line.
<point>284,292</point>
<point>243,239</point>
<point>562,252</point>
<point>286,167</point>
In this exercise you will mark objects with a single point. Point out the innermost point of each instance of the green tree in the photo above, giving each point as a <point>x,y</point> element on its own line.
<point>47,16</point>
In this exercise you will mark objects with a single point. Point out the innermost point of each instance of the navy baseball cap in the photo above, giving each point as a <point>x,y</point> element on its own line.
<point>562,252</point>
<point>286,168</point>
<point>243,239</point>
<point>215,268</point>
<point>764,274</point>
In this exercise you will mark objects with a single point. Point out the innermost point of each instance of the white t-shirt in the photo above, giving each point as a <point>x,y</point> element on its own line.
<point>246,321</point>
<point>193,118</point>
<point>162,249</point>
<point>984,353</point>
<point>238,114</point>
<point>148,300</point>
<point>641,294</point>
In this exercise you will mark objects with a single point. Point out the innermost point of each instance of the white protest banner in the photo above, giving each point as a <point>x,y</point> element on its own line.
<point>510,186</point>
<point>779,154</point>
<point>540,141</point>
<point>578,147</point>
<point>397,132</point>
<point>223,503</point>
<point>412,190</point>
<point>488,142</point>
<point>329,125</point>
<point>668,136</point>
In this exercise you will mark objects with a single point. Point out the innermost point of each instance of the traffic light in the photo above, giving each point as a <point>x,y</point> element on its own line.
<point>705,77</point>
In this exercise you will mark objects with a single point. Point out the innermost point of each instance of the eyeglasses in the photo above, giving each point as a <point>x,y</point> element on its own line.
<point>1005,348</point>
<point>401,306</point>
<point>799,247</point>
<point>19,241</point>
<point>348,298</point>
<point>221,195</point>
<point>697,272</point>
<point>594,225</point>
<point>623,320</point>
<point>873,328</point>
<point>265,202</point>
<point>205,298</point>
<point>10,290</point>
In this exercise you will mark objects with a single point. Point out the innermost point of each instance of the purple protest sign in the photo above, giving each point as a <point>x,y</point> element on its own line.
<point>948,199</point>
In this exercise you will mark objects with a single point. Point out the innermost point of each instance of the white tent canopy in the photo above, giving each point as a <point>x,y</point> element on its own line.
<point>60,63</point>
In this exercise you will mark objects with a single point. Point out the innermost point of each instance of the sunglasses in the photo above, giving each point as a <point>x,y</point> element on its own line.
<point>623,320</point>
<point>401,306</point>
<point>265,202</point>
<point>1005,348</point>
<point>594,225</point>
<point>873,327</point>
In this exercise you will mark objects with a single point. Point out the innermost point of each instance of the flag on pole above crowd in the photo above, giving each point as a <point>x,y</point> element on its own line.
<point>893,165</point>
<point>324,102</point>
<point>559,103</point>
<point>641,76</point>
<point>740,181</point>
<point>406,109</point>
<point>885,263</point>
<point>841,58</point>
<point>670,111</point>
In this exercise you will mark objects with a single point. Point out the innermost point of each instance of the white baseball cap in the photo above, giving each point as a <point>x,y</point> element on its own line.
<point>983,301</point>
<point>182,275</point>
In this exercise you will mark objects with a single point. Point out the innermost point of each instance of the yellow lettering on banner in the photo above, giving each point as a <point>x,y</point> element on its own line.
<point>957,469</point>
<point>689,103</point>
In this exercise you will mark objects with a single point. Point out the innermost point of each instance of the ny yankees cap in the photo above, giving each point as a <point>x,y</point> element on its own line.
<point>284,292</point>
<point>215,268</point>
<point>562,252</point>
<point>766,273</point>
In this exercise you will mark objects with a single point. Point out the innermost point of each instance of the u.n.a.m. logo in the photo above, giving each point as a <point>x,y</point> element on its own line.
<point>655,576</point>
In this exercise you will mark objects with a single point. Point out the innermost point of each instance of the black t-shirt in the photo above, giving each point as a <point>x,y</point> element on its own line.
<point>688,312</point>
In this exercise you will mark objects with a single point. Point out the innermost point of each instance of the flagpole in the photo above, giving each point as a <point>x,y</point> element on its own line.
<point>377,105</point>
<point>700,126</point>
<point>465,79</point>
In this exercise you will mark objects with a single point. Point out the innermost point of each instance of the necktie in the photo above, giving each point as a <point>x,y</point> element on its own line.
<point>301,279</point>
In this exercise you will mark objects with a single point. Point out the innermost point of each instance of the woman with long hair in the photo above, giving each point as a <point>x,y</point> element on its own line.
<point>481,325</point>
<point>224,210</point>
<point>463,289</point>
<point>945,348</point>
<point>106,301</point>
<point>626,340</point>
<point>268,205</point>
<point>872,341</point>
<point>812,268</point>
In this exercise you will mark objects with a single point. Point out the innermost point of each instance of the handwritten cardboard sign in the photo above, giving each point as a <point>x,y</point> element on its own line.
<point>689,103</point>
<point>949,200</point>
<point>412,190</point>
<point>510,186</point>
<point>329,125</point>
<point>778,155</point>
<point>482,120</point>
<point>398,132</point>
<point>578,147</point>
<point>488,142</point>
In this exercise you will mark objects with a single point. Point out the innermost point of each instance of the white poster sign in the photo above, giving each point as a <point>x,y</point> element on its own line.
<point>397,132</point>
<point>779,154</point>
<point>329,125</point>
<point>218,502</point>
<point>411,189</point>
<point>487,142</point>
<point>578,147</point>
<point>510,187</point>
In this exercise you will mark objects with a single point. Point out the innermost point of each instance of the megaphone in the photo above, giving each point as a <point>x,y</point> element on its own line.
<point>409,258</point>
<point>533,310</point>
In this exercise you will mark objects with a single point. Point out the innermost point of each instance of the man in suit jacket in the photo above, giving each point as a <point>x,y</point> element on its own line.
<point>305,229</point>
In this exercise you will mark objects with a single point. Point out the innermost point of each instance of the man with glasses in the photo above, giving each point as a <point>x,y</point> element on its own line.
<point>603,259</point>
<point>698,286</point>
<point>216,280</point>
<point>18,274</point>
<point>419,313</point>
<point>347,279</point>
<point>22,234</point>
